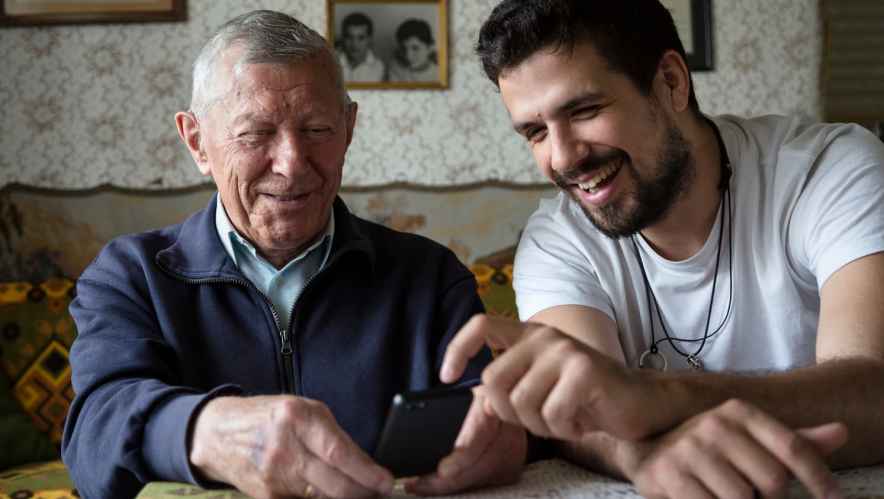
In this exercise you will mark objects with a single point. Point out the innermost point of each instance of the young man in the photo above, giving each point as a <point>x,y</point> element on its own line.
<point>738,260</point>
<point>357,58</point>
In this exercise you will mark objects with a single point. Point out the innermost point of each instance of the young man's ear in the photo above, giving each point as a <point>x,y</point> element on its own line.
<point>189,131</point>
<point>673,81</point>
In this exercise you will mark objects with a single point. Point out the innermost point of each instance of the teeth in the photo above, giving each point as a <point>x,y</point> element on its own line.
<point>600,177</point>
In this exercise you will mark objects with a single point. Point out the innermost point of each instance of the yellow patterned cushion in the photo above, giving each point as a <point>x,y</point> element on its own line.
<point>494,277</point>
<point>36,333</point>
<point>39,481</point>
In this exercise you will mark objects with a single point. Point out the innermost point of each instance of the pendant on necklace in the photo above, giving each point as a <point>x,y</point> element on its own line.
<point>695,362</point>
<point>653,359</point>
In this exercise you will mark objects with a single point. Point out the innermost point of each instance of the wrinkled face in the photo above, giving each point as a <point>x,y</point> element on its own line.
<point>275,146</point>
<point>416,52</point>
<point>598,138</point>
<point>356,43</point>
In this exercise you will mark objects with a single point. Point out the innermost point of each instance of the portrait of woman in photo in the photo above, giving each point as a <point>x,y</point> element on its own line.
<point>415,58</point>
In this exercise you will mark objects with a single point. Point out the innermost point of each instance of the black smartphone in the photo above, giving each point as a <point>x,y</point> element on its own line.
<point>421,429</point>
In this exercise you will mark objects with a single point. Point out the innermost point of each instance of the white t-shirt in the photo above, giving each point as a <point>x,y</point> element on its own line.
<point>807,199</point>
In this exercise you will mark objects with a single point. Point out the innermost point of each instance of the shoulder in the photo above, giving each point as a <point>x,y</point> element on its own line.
<point>130,254</point>
<point>403,249</point>
<point>790,136</point>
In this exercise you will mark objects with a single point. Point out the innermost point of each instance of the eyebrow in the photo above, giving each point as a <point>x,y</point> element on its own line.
<point>588,97</point>
<point>247,118</point>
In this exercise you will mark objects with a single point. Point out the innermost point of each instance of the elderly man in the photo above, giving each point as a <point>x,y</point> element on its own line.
<point>743,257</point>
<point>260,342</point>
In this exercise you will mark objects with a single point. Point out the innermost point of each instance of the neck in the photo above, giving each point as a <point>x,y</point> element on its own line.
<point>686,227</point>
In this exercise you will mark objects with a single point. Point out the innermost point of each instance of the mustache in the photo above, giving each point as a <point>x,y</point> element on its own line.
<point>569,176</point>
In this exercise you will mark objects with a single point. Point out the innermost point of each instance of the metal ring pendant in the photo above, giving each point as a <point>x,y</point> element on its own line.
<point>652,360</point>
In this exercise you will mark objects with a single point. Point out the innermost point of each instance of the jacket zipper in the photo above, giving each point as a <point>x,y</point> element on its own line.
<point>292,380</point>
<point>285,344</point>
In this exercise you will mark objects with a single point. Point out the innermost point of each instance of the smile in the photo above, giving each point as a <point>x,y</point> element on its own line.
<point>606,172</point>
<point>287,197</point>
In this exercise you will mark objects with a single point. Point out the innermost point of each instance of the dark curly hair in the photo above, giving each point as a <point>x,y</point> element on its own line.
<point>631,35</point>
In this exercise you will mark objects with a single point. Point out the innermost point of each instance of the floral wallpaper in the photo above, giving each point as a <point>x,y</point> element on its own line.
<point>85,106</point>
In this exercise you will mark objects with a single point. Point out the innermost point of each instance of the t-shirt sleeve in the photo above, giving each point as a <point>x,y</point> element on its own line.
<point>552,267</point>
<point>840,215</point>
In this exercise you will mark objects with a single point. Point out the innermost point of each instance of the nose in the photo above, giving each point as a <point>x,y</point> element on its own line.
<point>291,154</point>
<point>566,149</point>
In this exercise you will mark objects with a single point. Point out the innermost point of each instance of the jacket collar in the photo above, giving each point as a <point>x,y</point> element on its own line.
<point>197,252</point>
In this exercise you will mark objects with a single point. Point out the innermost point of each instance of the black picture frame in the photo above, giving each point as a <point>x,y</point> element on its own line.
<point>695,30</point>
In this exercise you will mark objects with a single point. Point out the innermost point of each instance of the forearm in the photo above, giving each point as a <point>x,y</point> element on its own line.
<point>603,453</point>
<point>845,390</point>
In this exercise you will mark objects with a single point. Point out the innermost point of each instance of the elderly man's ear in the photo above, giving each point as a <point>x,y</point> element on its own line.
<point>352,109</point>
<point>189,131</point>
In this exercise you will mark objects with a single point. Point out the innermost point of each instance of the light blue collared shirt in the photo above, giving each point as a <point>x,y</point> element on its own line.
<point>281,286</point>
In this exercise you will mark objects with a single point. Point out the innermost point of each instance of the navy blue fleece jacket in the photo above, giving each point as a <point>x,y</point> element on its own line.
<point>166,321</point>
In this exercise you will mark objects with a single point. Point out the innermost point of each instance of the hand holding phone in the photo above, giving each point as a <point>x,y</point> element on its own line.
<point>421,429</point>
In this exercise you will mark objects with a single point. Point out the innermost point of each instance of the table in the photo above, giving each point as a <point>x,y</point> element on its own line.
<point>554,479</point>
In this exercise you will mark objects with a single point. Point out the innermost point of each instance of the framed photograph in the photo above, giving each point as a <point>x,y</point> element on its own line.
<point>390,43</point>
<point>35,12</point>
<point>693,19</point>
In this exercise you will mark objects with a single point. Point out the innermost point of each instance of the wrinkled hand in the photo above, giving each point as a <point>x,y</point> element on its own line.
<point>487,452</point>
<point>277,446</point>
<point>552,384</point>
<point>734,450</point>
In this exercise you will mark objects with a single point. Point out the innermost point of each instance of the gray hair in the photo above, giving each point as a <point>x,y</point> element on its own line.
<point>266,37</point>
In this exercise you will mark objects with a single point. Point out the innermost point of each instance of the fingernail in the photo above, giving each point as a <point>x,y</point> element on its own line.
<point>445,374</point>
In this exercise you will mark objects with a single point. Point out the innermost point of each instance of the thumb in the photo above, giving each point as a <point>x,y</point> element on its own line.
<point>826,438</point>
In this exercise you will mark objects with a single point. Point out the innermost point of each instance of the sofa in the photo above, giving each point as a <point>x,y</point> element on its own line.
<point>36,332</point>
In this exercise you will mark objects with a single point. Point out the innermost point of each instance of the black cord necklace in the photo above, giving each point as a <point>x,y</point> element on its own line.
<point>693,359</point>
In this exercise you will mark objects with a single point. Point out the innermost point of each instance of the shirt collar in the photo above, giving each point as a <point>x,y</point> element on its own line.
<point>229,235</point>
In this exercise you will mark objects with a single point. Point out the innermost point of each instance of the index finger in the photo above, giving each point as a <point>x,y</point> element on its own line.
<point>331,444</point>
<point>479,330</point>
<point>463,347</point>
<point>797,453</point>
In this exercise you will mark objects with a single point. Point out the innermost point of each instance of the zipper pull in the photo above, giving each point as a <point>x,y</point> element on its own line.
<point>286,347</point>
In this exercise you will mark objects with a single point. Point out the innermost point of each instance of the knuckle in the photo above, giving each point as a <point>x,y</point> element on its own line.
<point>492,376</point>
<point>796,446</point>
<point>288,411</point>
<point>480,321</point>
<point>713,425</point>
<point>774,482</point>
<point>554,413</point>
<point>738,408</point>
<point>333,452</point>
<point>521,400</point>
<point>690,445</point>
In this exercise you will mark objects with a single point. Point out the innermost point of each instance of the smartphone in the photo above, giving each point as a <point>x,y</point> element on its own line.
<point>421,429</point>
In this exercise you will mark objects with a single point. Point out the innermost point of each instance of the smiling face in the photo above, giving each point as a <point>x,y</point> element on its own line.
<point>275,146</point>
<point>611,148</point>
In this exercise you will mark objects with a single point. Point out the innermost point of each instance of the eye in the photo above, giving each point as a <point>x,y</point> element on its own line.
<point>586,112</point>
<point>254,133</point>
<point>254,137</point>
<point>535,135</point>
<point>319,131</point>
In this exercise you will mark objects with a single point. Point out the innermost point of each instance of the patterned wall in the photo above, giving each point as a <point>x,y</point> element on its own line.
<point>92,105</point>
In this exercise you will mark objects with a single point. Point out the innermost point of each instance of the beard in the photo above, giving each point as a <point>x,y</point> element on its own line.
<point>651,198</point>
